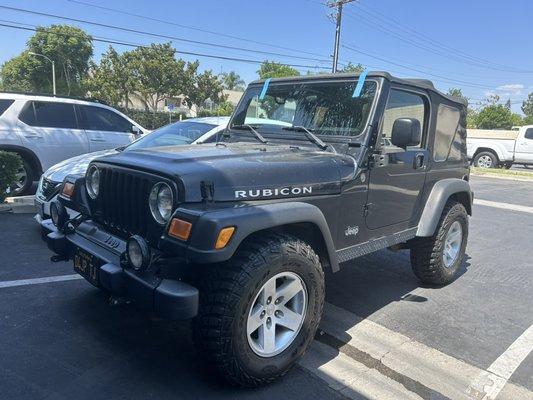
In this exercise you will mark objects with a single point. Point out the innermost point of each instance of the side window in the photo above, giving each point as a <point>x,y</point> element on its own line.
<point>402,104</point>
<point>447,123</point>
<point>102,119</point>
<point>4,105</point>
<point>529,133</point>
<point>49,115</point>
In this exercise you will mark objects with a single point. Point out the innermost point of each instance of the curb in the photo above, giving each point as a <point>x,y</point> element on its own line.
<point>505,177</point>
<point>17,208</point>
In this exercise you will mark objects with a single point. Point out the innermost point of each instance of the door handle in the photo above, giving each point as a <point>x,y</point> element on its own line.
<point>418,161</point>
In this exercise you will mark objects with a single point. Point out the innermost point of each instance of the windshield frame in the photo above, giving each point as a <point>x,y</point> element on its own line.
<point>299,135</point>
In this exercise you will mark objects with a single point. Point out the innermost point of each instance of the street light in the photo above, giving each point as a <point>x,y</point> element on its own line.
<point>53,68</point>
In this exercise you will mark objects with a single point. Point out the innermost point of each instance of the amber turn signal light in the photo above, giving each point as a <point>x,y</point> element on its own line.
<point>68,189</point>
<point>224,236</point>
<point>180,229</point>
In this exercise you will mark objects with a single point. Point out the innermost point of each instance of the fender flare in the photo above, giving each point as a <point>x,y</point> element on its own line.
<point>249,220</point>
<point>440,193</point>
<point>24,151</point>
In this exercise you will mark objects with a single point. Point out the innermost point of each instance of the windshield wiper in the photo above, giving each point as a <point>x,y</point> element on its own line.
<point>251,129</point>
<point>310,135</point>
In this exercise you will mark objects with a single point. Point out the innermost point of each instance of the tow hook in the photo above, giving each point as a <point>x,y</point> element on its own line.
<point>118,301</point>
<point>57,258</point>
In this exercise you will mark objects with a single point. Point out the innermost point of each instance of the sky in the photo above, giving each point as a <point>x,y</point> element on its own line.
<point>483,47</point>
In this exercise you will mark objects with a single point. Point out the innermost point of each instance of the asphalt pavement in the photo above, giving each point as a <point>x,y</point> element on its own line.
<point>383,335</point>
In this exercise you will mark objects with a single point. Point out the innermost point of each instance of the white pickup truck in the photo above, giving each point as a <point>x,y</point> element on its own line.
<point>494,148</point>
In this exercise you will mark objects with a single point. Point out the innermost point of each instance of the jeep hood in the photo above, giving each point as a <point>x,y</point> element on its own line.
<point>243,171</point>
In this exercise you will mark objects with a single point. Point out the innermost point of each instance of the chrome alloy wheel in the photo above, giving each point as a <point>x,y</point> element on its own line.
<point>484,162</point>
<point>277,314</point>
<point>20,181</point>
<point>452,244</point>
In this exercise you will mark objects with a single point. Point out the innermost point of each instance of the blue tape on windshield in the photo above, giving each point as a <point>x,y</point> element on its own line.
<point>360,83</point>
<point>264,90</point>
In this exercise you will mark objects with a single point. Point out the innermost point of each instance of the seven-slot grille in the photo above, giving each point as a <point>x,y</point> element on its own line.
<point>123,201</point>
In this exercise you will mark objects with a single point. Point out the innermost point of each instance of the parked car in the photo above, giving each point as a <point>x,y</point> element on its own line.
<point>491,149</point>
<point>191,131</point>
<point>45,130</point>
<point>238,235</point>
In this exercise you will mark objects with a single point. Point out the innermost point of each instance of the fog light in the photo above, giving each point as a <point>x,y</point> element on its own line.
<point>138,253</point>
<point>58,214</point>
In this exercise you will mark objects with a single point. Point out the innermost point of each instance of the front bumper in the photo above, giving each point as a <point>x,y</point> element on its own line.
<point>167,298</point>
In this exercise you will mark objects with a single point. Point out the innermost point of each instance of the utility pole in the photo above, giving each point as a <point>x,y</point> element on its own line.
<point>338,4</point>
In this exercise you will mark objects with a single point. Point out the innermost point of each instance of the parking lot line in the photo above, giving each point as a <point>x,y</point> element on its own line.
<point>492,381</point>
<point>504,206</point>
<point>440,375</point>
<point>37,281</point>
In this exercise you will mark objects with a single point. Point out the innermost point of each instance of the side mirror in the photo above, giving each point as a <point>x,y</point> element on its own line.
<point>406,132</point>
<point>135,130</point>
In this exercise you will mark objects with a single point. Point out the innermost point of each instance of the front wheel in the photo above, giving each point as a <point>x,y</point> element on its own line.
<point>260,310</point>
<point>436,260</point>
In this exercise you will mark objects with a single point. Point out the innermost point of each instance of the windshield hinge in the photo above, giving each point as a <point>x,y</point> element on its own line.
<point>207,190</point>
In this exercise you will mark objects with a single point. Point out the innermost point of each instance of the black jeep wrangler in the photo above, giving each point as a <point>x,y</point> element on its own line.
<point>310,173</point>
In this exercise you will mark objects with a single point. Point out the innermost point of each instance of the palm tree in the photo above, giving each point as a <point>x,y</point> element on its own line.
<point>232,81</point>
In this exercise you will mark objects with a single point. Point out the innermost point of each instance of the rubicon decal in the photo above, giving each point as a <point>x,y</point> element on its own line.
<point>275,192</point>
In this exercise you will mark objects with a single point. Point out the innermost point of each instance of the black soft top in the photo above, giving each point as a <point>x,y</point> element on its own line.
<point>418,83</point>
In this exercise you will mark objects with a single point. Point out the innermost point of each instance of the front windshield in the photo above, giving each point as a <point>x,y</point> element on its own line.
<point>178,133</point>
<point>333,108</point>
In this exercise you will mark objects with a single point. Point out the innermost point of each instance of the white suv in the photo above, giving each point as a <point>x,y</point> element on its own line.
<point>45,130</point>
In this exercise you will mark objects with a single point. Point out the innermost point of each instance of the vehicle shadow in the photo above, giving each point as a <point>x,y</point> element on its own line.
<point>161,354</point>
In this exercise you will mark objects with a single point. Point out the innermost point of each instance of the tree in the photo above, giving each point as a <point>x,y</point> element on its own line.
<point>112,80</point>
<point>352,68</point>
<point>232,81</point>
<point>456,92</point>
<point>494,116</point>
<point>206,87</point>
<point>271,69</point>
<point>69,47</point>
<point>527,106</point>
<point>159,75</point>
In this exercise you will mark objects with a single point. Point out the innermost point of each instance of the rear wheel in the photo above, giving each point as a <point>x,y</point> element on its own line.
<point>486,159</point>
<point>437,259</point>
<point>260,310</point>
<point>24,180</point>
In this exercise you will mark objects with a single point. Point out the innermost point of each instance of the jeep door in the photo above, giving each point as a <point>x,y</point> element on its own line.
<point>50,129</point>
<point>524,147</point>
<point>396,179</point>
<point>105,128</point>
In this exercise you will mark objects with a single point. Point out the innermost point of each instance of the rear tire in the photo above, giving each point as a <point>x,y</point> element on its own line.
<point>233,296</point>
<point>486,159</point>
<point>25,177</point>
<point>436,260</point>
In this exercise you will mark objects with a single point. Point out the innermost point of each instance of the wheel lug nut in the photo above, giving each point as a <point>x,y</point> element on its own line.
<point>269,300</point>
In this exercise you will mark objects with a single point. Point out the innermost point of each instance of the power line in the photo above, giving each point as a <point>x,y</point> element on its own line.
<point>9,24</point>
<point>169,37</point>
<point>457,81</point>
<point>410,31</point>
<point>153,19</point>
<point>440,52</point>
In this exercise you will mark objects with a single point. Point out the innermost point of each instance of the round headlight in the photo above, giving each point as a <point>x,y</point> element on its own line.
<point>161,202</point>
<point>138,253</point>
<point>92,182</point>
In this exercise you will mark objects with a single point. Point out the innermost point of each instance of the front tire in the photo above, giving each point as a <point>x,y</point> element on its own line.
<point>436,260</point>
<point>260,310</point>
<point>24,180</point>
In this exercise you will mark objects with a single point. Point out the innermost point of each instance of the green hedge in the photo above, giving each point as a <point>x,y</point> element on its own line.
<point>151,120</point>
<point>10,163</point>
